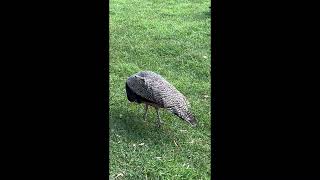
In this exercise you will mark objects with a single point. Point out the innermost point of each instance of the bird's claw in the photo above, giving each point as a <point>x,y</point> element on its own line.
<point>159,123</point>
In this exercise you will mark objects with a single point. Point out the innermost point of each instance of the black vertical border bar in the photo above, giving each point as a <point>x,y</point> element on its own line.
<point>213,87</point>
<point>106,87</point>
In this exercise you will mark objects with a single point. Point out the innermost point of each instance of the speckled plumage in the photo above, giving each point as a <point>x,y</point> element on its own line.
<point>152,89</point>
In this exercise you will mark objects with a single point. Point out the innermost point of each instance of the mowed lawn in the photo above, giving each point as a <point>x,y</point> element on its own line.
<point>171,38</point>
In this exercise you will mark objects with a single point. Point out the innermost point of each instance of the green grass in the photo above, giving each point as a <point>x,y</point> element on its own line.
<point>171,38</point>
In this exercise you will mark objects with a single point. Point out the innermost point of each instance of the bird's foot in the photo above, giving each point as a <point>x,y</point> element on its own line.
<point>145,117</point>
<point>159,123</point>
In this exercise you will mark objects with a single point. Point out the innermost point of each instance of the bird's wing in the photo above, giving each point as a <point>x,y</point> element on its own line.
<point>166,94</point>
<point>141,88</point>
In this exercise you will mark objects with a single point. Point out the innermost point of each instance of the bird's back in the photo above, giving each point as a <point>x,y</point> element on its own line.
<point>156,89</point>
<point>147,86</point>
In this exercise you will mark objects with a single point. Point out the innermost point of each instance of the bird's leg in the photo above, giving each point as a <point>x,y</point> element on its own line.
<point>159,122</point>
<point>145,113</point>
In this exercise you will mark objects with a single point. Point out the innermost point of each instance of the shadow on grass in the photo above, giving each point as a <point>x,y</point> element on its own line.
<point>130,124</point>
<point>203,15</point>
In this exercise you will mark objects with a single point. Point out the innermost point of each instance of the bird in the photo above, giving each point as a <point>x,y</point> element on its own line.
<point>151,89</point>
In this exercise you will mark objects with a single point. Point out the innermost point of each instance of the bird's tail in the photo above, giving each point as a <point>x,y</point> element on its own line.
<point>184,115</point>
<point>190,118</point>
